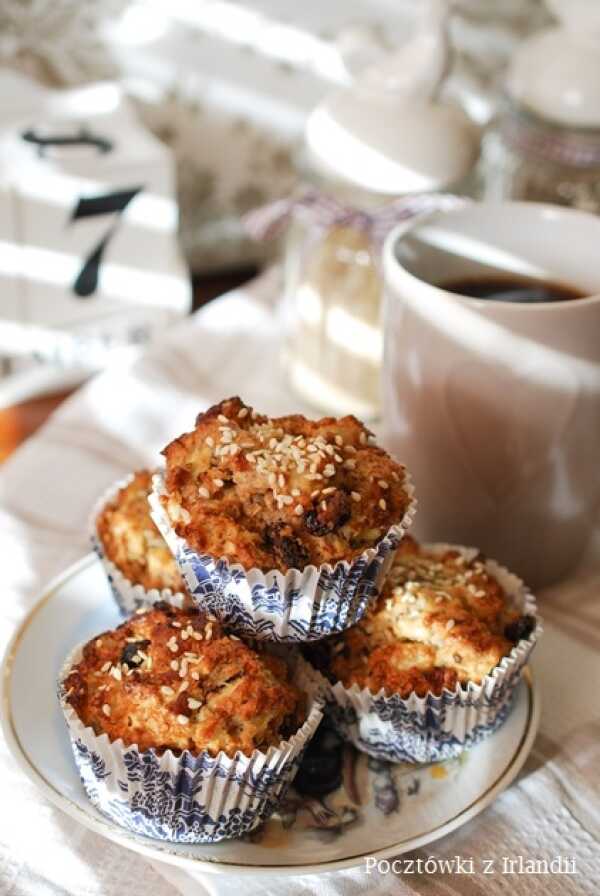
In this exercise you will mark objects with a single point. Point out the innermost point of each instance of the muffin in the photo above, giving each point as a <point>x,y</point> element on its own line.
<point>432,666</point>
<point>182,731</point>
<point>295,521</point>
<point>136,558</point>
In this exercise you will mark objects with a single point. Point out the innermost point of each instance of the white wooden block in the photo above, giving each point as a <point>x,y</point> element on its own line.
<point>11,299</point>
<point>95,222</point>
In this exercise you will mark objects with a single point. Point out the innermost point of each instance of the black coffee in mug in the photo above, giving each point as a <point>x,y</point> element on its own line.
<point>512,289</point>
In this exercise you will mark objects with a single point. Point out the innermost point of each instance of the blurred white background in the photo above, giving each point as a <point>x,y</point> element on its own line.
<point>228,85</point>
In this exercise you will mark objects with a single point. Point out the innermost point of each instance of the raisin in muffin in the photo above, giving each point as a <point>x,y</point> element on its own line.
<point>170,679</point>
<point>280,493</point>
<point>131,541</point>
<point>441,620</point>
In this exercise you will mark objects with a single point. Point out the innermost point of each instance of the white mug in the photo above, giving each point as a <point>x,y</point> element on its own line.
<point>494,406</point>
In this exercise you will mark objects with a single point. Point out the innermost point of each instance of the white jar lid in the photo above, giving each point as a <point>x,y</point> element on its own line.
<point>378,143</point>
<point>556,75</point>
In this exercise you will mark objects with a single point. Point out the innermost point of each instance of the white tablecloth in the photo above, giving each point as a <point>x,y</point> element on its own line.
<point>118,422</point>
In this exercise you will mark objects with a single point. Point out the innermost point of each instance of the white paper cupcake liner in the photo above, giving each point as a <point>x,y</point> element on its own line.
<point>295,606</point>
<point>190,798</point>
<point>430,729</point>
<point>128,595</point>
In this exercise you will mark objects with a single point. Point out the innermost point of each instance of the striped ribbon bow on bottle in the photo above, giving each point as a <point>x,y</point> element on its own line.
<point>324,211</point>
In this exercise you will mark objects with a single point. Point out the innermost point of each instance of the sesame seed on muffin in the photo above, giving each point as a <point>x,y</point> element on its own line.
<point>280,493</point>
<point>130,539</point>
<point>171,679</point>
<point>441,620</point>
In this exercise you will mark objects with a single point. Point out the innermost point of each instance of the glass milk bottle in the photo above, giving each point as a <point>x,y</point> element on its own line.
<point>370,154</point>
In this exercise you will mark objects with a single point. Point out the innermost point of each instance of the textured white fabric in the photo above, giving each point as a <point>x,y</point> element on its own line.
<point>119,421</point>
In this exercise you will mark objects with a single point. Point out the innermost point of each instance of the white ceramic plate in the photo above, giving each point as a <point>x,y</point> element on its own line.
<point>380,810</point>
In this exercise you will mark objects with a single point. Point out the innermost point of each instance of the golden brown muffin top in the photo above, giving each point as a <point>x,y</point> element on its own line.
<point>131,540</point>
<point>441,620</point>
<point>170,679</point>
<point>280,493</point>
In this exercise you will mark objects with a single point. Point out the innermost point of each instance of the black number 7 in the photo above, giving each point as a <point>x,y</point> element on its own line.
<point>86,282</point>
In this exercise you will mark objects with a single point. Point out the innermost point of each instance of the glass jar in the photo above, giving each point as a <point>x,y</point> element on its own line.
<point>527,157</point>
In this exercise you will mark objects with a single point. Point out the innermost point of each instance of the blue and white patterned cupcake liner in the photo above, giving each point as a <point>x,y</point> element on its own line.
<point>431,729</point>
<point>186,798</point>
<point>129,596</point>
<point>296,606</point>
